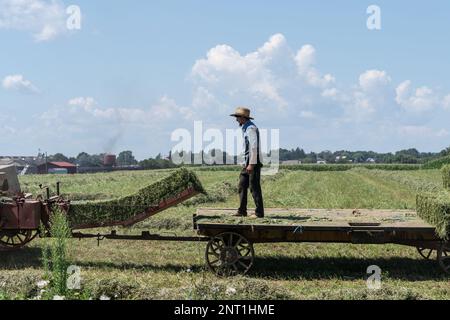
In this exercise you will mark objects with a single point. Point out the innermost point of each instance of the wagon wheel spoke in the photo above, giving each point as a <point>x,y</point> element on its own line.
<point>426,253</point>
<point>214,262</point>
<point>243,264</point>
<point>21,237</point>
<point>215,249</point>
<point>12,239</point>
<point>217,244</point>
<point>230,240</point>
<point>229,254</point>
<point>244,248</point>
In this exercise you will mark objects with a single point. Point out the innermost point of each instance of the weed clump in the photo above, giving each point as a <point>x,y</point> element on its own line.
<point>55,253</point>
<point>237,289</point>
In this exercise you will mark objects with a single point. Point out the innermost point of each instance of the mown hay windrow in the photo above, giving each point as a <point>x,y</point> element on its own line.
<point>435,209</point>
<point>124,208</point>
<point>437,163</point>
<point>446,176</point>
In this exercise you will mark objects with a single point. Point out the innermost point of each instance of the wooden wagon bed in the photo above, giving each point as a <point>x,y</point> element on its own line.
<point>230,249</point>
<point>322,217</point>
<point>321,225</point>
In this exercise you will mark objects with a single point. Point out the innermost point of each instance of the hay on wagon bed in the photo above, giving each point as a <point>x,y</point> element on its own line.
<point>446,176</point>
<point>435,209</point>
<point>124,208</point>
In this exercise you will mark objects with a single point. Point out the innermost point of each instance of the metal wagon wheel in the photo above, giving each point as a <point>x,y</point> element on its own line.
<point>229,254</point>
<point>444,257</point>
<point>426,253</point>
<point>14,239</point>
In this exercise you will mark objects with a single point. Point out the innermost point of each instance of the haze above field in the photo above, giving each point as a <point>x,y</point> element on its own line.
<point>136,72</point>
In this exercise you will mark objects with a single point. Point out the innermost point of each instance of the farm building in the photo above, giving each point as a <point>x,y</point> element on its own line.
<point>24,165</point>
<point>57,168</point>
<point>291,162</point>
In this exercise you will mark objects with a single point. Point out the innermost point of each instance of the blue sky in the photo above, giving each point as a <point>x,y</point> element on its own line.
<point>137,70</point>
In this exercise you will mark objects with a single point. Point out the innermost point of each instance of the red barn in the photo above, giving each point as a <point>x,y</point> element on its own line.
<point>57,168</point>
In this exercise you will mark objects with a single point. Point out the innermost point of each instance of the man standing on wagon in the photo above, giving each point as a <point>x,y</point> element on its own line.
<point>250,176</point>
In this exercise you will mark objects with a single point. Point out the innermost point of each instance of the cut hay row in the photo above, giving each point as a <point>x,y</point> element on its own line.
<point>102,213</point>
<point>446,176</point>
<point>321,167</point>
<point>346,167</point>
<point>437,163</point>
<point>435,209</point>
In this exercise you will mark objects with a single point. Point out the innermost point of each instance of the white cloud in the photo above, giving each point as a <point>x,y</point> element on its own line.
<point>446,102</point>
<point>423,131</point>
<point>273,81</point>
<point>245,75</point>
<point>92,126</point>
<point>368,100</point>
<point>330,93</point>
<point>44,19</point>
<point>307,114</point>
<point>373,80</point>
<point>18,82</point>
<point>306,59</point>
<point>422,99</point>
<point>84,102</point>
<point>84,110</point>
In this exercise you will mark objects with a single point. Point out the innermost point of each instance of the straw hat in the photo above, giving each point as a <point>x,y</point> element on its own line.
<point>242,112</point>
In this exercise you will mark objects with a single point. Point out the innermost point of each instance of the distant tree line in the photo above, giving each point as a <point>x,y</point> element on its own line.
<point>126,158</point>
<point>411,156</point>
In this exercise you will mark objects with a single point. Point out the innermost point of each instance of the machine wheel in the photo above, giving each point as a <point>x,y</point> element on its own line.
<point>444,257</point>
<point>14,239</point>
<point>229,254</point>
<point>426,253</point>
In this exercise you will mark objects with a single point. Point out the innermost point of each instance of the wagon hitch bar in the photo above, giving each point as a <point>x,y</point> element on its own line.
<point>144,236</point>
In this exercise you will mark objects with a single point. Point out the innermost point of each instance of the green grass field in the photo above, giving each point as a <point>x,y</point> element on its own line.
<point>160,270</point>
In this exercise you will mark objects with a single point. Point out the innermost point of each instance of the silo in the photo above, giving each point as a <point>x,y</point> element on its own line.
<point>109,160</point>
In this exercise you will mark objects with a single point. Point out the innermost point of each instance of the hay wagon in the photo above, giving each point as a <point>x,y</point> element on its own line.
<point>230,248</point>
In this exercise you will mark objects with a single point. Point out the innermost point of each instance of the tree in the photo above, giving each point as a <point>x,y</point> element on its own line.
<point>157,164</point>
<point>86,160</point>
<point>126,158</point>
<point>445,152</point>
<point>59,157</point>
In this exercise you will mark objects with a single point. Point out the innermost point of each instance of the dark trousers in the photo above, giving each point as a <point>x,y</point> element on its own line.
<point>252,181</point>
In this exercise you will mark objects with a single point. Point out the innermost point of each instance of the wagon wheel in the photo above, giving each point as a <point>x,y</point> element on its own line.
<point>229,254</point>
<point>444,257</point>
<point>14,239</point>
<point>426,253</point>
